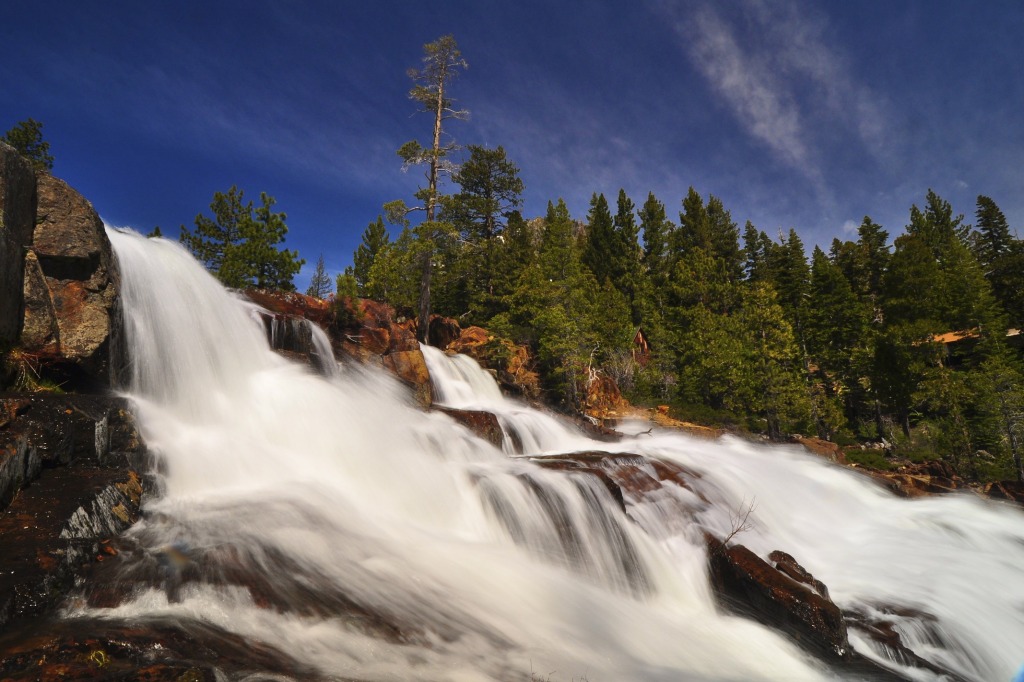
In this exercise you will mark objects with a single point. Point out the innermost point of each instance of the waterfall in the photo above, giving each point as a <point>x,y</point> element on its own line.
<point>336,522</point>
<point>461,383</point>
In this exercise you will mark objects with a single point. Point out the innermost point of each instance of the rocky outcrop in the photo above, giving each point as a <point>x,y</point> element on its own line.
<point>821,447</point>
<point>67,487</point>
<point>69,286</point>
<point>96,649</point>
<point>443,331</point>
<point>484,425</point>
<point>17,213</point>
<point>511,363</point>
<point>919,479</point>
<point>372,333</point>
<point>797,605</point>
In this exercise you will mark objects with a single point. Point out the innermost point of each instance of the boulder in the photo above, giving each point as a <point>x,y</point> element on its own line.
<point>17,216</point>
<point>748,584</point>
<point>821,447</point>
<point>1012,491</point>
<point>443,331</point>
<point>69,285</point>
<point>411,368</point>
<point>56,528</point>
<point>483,424</point>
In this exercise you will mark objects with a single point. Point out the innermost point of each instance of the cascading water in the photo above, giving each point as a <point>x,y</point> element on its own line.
<point>373,541</point>
<point>460,382</point>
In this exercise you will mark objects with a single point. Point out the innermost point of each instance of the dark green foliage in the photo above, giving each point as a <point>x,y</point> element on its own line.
<point>320,282</point>
<point>629,269</point>
<point>239,244</point>
<point>657,234</point>
<point>1002,257</point>
<point>375,238</point>
<point>489,190</point>
<point>27,138</point>
<point>600,253</point>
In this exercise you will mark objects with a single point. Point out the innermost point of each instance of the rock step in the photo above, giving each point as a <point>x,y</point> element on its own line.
<point>56,528</point>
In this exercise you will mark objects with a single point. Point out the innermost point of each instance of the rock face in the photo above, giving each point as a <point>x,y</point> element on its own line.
<point>17,211</point>
<point>483,424</point>
<point>66,490</point>
<point>363,330</point>
<point>69,285</point>
<point>783,595</point>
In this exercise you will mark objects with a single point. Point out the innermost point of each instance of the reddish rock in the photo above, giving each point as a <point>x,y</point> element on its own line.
<point>411,368</point>
<point>483,424</point>
<point>823,448</point>
<point>375,339</point>
<point>53,531</point>
<point>292,304</point>
<point>510,362</point>
<point>469,339</point>
<point>602,398</point>
<point>919,479</point>
<point>69,287</point>
<point>1006,490</point>
<point>17,218</point>
<point>744,581</point>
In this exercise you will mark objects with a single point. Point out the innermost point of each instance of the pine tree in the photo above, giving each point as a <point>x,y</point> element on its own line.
<point>442,61</point>
<point>239,244</point>
<point>757,254</point>
<point>629,271</point>
<point>657,234</point>
<point>27,138</point>
<point>771,378</point>
<point>320,282</point>
<point>257,259</point>
<point>600,249</point>
<point>375,238</point>
<point>490,188</point>
<point>1002,256</point>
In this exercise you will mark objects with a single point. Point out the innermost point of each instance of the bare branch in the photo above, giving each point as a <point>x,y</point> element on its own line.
<point>739,519</point>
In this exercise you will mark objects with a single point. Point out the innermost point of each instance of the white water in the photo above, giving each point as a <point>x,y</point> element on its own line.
<point>372,501</point>
<point>459,382</point>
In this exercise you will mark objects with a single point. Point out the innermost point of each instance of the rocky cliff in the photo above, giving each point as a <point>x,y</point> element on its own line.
<point>59,322</point>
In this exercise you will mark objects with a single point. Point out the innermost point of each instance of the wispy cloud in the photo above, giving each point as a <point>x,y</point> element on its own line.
<point>773,67</point>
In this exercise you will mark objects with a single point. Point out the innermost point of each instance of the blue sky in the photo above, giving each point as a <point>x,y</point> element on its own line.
<point>796,114</point>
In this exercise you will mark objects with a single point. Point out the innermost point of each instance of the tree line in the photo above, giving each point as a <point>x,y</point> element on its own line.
<point>903,341</point>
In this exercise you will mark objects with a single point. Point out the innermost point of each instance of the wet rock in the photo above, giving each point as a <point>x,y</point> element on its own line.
<point>70,284</point>
<point>823,448</point>
<point>483,424</point>
<point>919,479</point>
<point>17,213</point>
<point>880,630</point>
<point>92,649</point>
<point>53,531</point>
<point>746,583</point>
<point>411,367</point>
<point>1012,491</point>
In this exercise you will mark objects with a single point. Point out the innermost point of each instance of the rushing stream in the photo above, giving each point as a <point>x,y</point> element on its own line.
<point>389,543</point>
